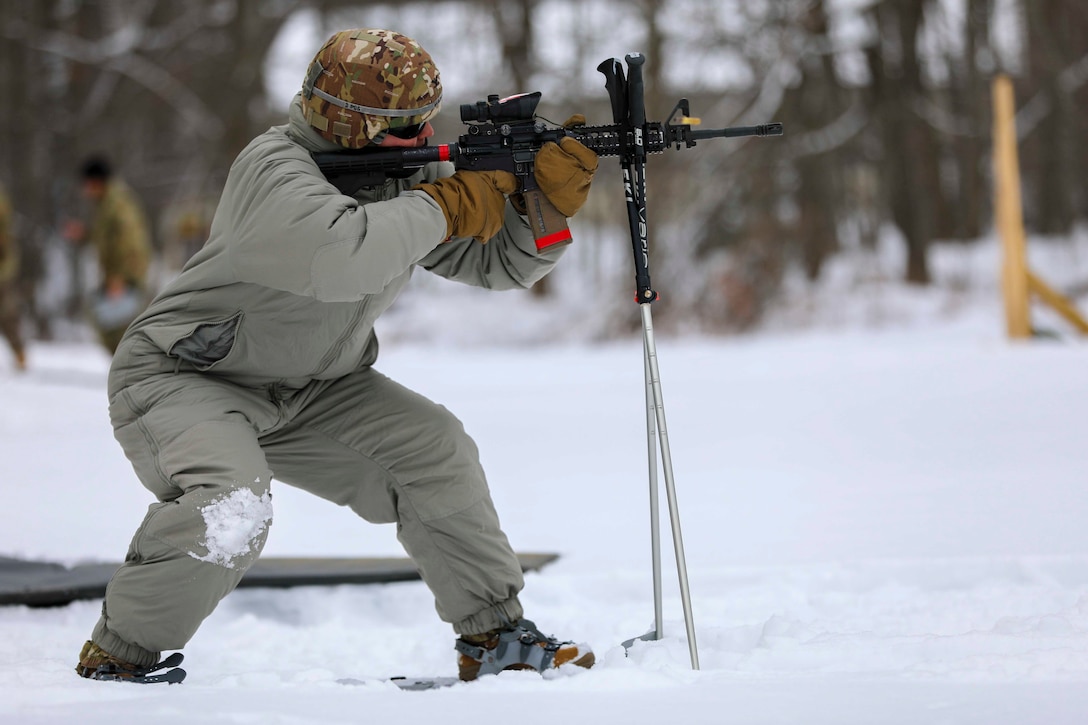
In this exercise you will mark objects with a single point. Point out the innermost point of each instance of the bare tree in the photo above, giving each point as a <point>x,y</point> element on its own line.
<point>1055,147</point>
<point>816,101</point>
<point>906,142</point>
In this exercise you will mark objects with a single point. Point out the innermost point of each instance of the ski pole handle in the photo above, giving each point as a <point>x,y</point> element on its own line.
<point>636,93</point>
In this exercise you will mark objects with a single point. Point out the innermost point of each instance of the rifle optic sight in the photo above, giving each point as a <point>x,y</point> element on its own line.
<point>521,107</point>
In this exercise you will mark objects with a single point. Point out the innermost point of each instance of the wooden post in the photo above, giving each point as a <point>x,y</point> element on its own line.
<point>1061,304</point>
<point>1009,211</point>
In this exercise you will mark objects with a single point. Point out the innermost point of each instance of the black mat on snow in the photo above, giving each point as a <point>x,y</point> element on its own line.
<point>45,584</point>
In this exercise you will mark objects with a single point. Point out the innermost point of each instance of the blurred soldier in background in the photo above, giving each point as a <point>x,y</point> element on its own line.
<point>119,234</point>
<point>256,361</point>
<point>183,230</point>
<point>9,298</point>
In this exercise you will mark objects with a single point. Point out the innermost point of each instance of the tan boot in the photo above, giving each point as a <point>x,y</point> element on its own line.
<point>92,657</point>
<point>97,664</point>
<point>518,647</point>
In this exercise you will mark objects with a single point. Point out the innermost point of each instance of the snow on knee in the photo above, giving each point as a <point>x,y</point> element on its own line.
<point>234,524</point>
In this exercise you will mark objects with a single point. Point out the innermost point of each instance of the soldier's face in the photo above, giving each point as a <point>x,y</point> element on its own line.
<point>94,189</point>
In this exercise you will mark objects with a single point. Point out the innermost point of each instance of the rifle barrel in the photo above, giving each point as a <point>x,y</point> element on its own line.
<point>766,129</point>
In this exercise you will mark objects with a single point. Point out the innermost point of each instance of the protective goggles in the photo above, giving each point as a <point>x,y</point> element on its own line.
<point>406,132</point>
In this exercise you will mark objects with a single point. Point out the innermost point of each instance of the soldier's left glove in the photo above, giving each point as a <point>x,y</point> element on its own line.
<point>565,170</point>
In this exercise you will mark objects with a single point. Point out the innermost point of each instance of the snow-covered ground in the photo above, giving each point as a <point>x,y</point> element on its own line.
<point>881,525</point>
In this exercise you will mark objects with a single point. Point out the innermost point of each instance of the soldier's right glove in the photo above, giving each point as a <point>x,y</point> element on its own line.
<point>473,201</point>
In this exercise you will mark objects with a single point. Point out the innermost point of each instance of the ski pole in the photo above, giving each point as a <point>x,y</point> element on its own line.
<point>629,110</point>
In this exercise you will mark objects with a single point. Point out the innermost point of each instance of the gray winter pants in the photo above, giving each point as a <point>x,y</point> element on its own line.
<point>207,449</point>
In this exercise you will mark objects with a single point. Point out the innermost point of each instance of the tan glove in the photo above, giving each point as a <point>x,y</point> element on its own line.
<point>564,172</point>
<point>473,201</point>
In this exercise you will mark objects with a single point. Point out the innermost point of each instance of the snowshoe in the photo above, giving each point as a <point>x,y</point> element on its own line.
<point>521,646</point>
<point>97,664</point>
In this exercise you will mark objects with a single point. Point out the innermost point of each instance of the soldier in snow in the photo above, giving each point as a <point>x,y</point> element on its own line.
<point>257,362</point>
<point>119,234</point>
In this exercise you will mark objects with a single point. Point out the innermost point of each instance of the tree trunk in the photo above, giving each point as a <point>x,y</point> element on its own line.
<point>1053,43</point>
<point>814,104</point>
<point>908,145</point>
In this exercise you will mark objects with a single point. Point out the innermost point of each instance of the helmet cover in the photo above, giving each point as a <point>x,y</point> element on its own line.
<point>364,82</point>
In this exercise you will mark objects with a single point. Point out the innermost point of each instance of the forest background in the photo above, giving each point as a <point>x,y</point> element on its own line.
<point>886,104</point>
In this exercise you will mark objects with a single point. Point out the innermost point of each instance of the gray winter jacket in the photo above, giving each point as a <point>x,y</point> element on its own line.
<point>294,274</point>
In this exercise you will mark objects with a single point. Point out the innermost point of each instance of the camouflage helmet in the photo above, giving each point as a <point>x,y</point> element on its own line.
<point>364,82</point>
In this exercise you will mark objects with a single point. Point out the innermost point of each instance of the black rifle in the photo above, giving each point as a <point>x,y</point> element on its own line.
<point>505,134</point>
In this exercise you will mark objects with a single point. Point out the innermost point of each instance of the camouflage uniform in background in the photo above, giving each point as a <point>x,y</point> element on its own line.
<point>9,268</point>
<point>119,233</point>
